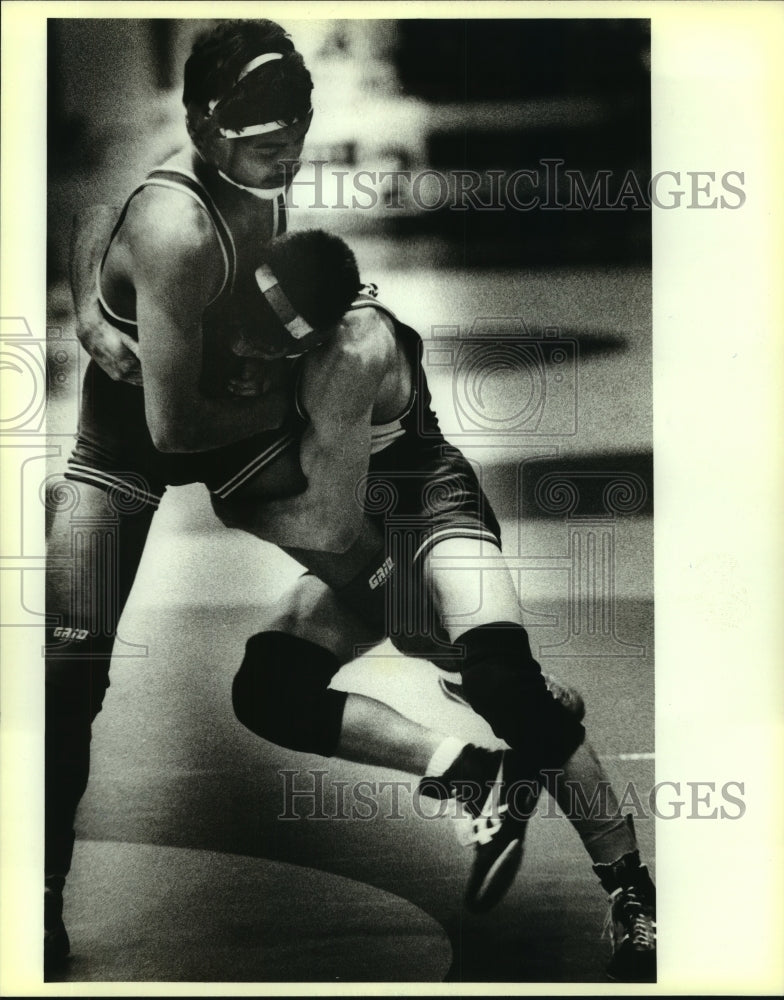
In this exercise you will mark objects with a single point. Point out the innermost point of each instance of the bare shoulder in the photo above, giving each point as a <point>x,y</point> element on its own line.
<point>344,375</point>
<point>170,235</point>
<point>366,337</point>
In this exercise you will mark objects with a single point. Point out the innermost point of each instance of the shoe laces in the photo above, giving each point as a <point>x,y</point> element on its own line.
<point>483,828</point>
<point>486,825</point>
<point>628,911</point>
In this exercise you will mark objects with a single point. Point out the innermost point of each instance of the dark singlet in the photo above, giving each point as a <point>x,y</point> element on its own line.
<point>114,450</point>
<point>183,180</point>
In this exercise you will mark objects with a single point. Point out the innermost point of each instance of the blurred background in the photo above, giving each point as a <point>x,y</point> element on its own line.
<point>537,330</point>
<point>483,95</point>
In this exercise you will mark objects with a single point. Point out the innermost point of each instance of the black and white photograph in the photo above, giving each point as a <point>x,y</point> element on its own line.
<point>331,469</point>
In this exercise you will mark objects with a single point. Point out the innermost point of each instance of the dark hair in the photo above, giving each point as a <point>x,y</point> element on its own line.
<point>318,273</point>
<point>277,91</point>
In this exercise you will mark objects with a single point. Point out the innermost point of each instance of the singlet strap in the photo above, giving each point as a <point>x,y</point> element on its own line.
<point>178,179</point>
<point>384,434</point>
<point>279,216</point>
<point>181,179</point>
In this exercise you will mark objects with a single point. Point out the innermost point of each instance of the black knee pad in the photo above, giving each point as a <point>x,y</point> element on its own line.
<point>504,684</point>
<point>281,692</point>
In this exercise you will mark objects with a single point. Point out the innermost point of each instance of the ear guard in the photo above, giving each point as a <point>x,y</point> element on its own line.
<point>297,326</point>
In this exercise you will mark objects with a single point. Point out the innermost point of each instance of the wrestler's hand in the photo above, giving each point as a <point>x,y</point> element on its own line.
<point>113,350</point>
<point>256,376</point>
<point>251,380</point>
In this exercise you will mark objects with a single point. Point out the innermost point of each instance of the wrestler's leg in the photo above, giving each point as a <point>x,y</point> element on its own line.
<point>480,610</point>
<point>503,682</point>
<point>475,600</point>
<point>282,690</point>
<point>282,693</point>
<point>93,552</point>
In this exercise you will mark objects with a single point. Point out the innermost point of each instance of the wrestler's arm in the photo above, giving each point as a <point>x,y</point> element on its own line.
<point>176,270</point>
<point>340,386</point>
<point>114,351</point>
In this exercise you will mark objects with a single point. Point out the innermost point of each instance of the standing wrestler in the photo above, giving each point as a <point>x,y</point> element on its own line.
<point>189,234</point>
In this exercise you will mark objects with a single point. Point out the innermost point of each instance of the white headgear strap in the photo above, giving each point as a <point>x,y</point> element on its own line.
<point>297,326</point>
<point>264,127</point>
<point>258,61</point>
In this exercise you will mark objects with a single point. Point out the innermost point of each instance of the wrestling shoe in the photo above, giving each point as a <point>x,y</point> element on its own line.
<point>632,919</point>
<point>492,816</point>
<point>57,947</point>
<point>569,697</point>
<point>497,833</point>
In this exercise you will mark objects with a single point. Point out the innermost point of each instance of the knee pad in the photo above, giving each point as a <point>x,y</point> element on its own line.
<point>504,684</point>
<point>281,692</point>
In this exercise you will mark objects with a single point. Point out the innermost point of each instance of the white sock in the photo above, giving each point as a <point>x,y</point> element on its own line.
<point>446,753</point>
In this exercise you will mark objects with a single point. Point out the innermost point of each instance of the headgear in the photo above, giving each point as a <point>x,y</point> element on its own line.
<point>248,130</point>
